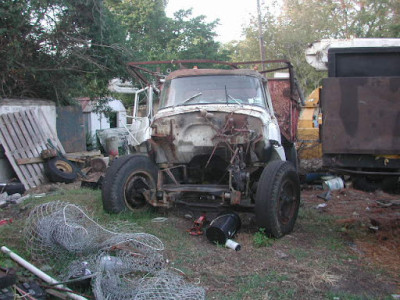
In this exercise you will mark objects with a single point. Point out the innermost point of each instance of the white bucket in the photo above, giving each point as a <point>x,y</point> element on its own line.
<point>333,184</point>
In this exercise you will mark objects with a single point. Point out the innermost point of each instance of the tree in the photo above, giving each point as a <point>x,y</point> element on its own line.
<point>376,19</point>
<point>145,24</point>
<point>153,36</point>
<point>302,22</point>
<point>58,49</point>
<point>191,37</point>
<point>61,49</point>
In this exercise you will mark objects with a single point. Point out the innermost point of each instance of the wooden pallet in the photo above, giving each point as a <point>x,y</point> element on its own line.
<point>24,135</point>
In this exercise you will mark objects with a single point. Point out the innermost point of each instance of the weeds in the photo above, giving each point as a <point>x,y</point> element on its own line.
<point>260,239</point>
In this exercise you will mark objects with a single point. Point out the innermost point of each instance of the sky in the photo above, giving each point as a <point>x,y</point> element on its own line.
<point>231,13</point>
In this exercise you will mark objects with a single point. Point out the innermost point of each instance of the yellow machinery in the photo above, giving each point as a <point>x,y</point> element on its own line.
<point>309,145</point>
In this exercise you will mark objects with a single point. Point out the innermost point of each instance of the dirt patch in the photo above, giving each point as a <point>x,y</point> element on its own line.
<point>369,221</point>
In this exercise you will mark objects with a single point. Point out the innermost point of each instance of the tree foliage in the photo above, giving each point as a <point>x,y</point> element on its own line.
<point>58,49</point>
<point>192,38</point>
<point>154,36</point>
<point>302,22</point>
<point>61,49</point>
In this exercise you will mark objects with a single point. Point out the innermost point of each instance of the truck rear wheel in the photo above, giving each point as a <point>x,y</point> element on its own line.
<point>277,198</point>
<point>116,164</point>
<point>128,184</point>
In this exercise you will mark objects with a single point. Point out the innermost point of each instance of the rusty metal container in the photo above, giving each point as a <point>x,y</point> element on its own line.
<point>361,110</point>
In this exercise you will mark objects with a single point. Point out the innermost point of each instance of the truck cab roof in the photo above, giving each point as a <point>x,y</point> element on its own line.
<point>205,72</point>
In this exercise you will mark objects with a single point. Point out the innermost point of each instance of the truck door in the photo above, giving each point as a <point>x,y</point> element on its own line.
<point>139,131</point>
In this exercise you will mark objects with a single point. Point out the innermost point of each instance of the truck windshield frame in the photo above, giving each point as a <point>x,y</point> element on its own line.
<point>213,89</point>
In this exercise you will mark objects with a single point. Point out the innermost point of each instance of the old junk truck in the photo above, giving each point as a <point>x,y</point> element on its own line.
<point>219,139</point>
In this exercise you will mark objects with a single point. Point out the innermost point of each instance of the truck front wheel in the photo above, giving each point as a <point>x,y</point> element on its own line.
<point>277,198</point>
<point>130,185</point>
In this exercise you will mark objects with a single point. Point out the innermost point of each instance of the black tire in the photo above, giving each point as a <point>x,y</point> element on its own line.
<point>278,198</point>
<point>59,169</point>
<point>116,164</point>
<point>123,187</point>
<point>13,188</point>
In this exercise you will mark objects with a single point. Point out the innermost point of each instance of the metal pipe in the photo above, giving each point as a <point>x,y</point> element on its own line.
<point>138,63</point>
<point>39,273</point>
<point>136,101</point>
<point>348,171</point>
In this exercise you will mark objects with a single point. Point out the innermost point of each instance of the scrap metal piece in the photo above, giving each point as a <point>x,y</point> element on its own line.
<point>6,221</point>
<point>197,228</point>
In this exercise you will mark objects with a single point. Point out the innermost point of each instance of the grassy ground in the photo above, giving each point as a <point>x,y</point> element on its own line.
<point>314,262</point>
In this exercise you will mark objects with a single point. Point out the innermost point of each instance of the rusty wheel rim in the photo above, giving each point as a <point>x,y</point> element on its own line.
<point>287,202</point>
<point>64,166</point>
<point>137,189</point>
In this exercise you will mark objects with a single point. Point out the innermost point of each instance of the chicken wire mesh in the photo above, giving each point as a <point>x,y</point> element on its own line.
<point>60,227</point>
<point>164,284</point>
<point>122,265</point>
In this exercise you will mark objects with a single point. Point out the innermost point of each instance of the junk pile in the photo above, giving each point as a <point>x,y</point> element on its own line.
<point>6,199</point>
<point>26,290</point>
<point>220,231</point>
<point>11,193</point>
<point>120,265</point>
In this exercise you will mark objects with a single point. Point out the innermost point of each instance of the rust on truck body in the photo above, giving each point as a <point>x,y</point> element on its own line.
<point>361,115</point>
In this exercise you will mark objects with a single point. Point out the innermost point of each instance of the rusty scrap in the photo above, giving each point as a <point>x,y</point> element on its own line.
<point>198,225</point>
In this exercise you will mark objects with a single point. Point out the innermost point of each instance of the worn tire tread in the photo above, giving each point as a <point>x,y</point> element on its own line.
<point>110,174</point>
<point>267,194</point>
<point>55,175</point>
<point>113,185</point>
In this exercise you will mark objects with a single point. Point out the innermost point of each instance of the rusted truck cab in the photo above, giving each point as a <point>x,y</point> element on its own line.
<point>215,143</point>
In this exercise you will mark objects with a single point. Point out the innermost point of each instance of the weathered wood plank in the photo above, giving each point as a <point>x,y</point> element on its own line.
<point>6,142</point>
<point>25,141</point>
<point>84,154</point>
<point>25,147</point>
<point>31,160</point>
<point>37,160</point>
<point>15,144</point>
<point>30,140</point>
<point>31,116</point>
<point>36,143</point>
